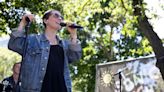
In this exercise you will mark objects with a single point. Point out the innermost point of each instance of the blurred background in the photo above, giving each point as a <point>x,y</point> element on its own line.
<point>113,30</point>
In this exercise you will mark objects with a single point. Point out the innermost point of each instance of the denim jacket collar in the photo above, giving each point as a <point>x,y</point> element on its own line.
<point>43,38</point>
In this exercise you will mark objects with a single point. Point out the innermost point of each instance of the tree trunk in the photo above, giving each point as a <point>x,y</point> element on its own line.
<point>146,28</point>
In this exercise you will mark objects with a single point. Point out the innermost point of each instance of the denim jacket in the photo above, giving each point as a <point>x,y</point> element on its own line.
<point>33,67</point>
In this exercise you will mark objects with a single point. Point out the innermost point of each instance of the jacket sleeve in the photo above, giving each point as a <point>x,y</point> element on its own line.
<point>16,41</point>
<point>74,51</point>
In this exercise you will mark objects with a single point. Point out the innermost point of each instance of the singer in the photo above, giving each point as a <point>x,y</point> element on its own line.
<point>45,66</point>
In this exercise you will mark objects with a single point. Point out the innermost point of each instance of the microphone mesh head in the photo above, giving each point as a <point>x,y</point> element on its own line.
<point>63,24</point>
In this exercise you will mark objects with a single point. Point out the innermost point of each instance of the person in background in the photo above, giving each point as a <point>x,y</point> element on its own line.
<point>45,66</point>
<point>11,82</point>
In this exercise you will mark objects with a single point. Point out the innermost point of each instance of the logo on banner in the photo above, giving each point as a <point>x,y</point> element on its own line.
<point>106,79</point>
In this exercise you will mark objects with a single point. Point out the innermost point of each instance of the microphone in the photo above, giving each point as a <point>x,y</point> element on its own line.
<point>27,19</point>
<point>119,71</point>
<point>72,26</point>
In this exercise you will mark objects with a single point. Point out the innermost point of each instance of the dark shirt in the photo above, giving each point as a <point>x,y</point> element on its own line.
<point>10,84</point>
<point>1,87</point>
<point>54,77</point>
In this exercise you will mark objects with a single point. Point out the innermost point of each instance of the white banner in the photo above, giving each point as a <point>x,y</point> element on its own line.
<point>137,75</point>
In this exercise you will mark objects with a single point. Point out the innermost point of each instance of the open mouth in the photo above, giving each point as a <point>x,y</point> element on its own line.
<point>57,23</point>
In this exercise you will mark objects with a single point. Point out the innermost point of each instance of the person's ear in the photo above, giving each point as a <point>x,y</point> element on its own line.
<point>45,21</point>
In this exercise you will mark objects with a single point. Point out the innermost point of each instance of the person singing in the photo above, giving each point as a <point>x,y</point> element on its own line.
<point>45,66</point>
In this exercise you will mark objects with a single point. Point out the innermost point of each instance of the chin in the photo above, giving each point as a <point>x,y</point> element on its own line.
<point>59,28</point>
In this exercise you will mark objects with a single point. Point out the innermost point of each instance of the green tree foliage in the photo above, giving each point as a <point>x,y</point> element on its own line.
<point>102,45</point>
<point>11,11</point>
<point>110,31</point>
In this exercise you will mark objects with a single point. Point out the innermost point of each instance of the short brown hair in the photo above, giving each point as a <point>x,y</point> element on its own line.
<point>46,15</point>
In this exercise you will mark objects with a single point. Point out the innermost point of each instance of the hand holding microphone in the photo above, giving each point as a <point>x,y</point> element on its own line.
<point>25,19</point>
<point>72,30</point>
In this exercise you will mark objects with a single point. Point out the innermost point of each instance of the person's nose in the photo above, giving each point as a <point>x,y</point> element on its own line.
<point>60,18</point>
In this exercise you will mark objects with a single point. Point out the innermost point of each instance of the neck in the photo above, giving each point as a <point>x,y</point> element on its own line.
<point>15,77</point>
<point>50,33</point>
<point>51,36</point>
